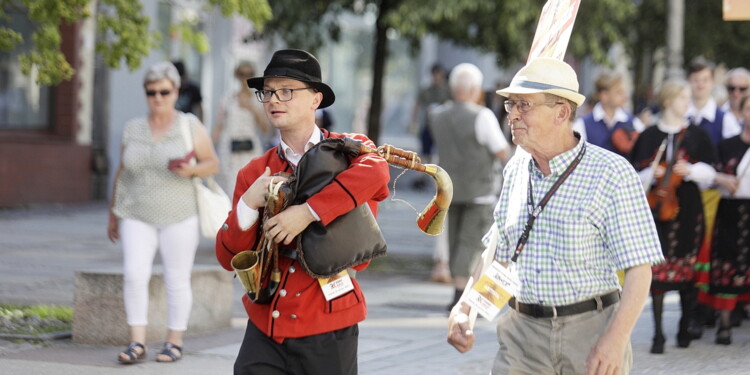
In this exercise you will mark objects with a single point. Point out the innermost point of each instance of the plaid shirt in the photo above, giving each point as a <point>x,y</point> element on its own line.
<point>597,222</point>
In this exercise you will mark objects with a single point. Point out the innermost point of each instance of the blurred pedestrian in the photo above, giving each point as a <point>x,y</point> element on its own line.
<point>324,118</point>
<point>154,206</point>
<point>569,215</point>
<point>705,113</point>
<point>429,97</point>
<point>703,110</point>
<point>609,125</point>
<point>190,99</point>
<point>729,267</point>
<point>675,160</point>
<point>239,128</point>
<point>737,83</point>
<point>305,326</point>
<point>467,133</point>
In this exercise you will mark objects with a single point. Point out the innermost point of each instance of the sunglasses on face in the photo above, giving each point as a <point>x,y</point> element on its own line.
<point>161,92</point>
<point>731,88</point>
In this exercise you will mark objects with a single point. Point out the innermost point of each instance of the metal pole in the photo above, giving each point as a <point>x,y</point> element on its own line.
<point>675,38</point>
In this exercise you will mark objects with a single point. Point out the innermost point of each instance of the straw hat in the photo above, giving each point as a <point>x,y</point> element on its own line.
<point>545,75</point>
<point>299,65</point>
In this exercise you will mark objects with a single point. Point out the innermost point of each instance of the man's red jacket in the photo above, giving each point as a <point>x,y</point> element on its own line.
<point>299,308</point>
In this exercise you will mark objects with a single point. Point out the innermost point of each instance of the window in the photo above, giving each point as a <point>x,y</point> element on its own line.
<point>24,104</point>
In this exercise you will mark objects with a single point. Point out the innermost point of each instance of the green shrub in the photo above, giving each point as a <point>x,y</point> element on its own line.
<point>62,313</point>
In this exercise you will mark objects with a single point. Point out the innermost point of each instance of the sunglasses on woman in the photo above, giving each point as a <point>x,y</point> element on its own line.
<point>154,92</point>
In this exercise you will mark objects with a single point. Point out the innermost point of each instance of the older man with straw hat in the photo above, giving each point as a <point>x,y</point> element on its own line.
<point>570,214</point>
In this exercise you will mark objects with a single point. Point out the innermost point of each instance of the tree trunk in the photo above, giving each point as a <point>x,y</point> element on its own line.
<point>378,72</point>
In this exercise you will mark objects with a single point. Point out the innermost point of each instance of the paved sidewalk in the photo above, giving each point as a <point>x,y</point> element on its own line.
<point>404,334</point>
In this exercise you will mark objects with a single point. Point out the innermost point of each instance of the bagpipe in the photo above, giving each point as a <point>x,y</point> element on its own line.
<point>350,239</point>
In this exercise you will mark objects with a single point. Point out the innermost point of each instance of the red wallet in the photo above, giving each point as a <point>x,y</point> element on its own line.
<point>176,163</point>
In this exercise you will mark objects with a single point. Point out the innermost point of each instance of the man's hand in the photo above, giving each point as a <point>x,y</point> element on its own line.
<point>286,225</point>
<point>256,195</point>
<point>460,335</point>
<point>606,357</point>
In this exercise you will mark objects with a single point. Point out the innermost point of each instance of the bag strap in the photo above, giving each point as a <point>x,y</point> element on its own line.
<point>187,135</point>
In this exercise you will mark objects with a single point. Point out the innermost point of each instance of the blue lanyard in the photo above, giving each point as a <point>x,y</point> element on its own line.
<point>534,211</point>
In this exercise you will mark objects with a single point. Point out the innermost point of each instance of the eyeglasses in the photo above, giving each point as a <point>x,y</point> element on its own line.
<point>731,88</point>
<point>284,95</point>
<point>161,92</point>
<point>524,106</point>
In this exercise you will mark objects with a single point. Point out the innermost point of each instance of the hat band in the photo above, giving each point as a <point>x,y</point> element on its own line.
<point>290,73</point>
<point>541,86</point>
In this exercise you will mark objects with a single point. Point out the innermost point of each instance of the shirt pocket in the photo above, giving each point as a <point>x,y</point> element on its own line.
<point>575,239</point>
<point>344,302</point>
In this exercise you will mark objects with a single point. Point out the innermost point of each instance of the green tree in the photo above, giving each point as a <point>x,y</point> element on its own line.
<point>123,31</point>
<point>505,27</point>
<point>308,25</point>
<point>725,43</point>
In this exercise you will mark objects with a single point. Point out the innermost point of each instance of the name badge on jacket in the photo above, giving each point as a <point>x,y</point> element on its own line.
<point>336,285</point>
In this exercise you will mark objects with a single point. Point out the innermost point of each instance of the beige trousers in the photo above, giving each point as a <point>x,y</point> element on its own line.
<point>546,346</point>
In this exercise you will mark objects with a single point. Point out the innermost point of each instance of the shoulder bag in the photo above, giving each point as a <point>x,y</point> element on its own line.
<point>213,203</point>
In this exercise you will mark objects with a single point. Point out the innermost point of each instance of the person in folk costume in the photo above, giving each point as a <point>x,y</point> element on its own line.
<point>704,112</point>
<point>688,151</point>
<point>728,272</point>
<point>609,125</point>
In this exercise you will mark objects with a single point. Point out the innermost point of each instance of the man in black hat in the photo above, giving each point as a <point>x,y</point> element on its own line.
<point>307,327</point>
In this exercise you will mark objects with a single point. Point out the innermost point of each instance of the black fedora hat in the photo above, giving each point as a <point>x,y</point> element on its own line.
<point>298,65</point>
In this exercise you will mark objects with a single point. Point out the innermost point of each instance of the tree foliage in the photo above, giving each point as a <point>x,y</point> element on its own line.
<point>123,31</point>
<point>504,27</point>
<point>706,34</point>
<point>507,28</point>
<point>308,25</point>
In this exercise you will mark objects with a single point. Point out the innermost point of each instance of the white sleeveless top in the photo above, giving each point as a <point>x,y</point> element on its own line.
<point>146,190</point>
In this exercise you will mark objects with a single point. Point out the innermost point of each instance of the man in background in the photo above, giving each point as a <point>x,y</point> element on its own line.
<point>703,110</point>
<point>189,99</point>
<point>468,141</point>
<point>737,83</point>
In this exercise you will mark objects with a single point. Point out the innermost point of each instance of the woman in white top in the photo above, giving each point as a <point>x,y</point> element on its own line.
<point>154,206</point>
<point>240,128</point>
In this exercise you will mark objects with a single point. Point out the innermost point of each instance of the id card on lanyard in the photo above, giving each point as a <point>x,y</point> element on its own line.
<point>494,289</point>
<point>499,283</point>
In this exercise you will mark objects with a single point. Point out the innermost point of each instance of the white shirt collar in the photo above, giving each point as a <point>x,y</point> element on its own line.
<point>600,115</point>
<point>294,157</point>
<point>669,129</point>
<point>708,112</point>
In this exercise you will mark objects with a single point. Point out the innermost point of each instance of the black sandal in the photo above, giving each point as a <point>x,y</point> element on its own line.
<point>169,352</point>
<point>132,353</point>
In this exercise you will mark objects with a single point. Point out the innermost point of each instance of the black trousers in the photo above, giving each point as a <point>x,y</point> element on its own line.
<point>330,353</point>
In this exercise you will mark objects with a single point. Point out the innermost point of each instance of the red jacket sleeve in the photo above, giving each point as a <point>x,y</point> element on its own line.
<point>365,181</point>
